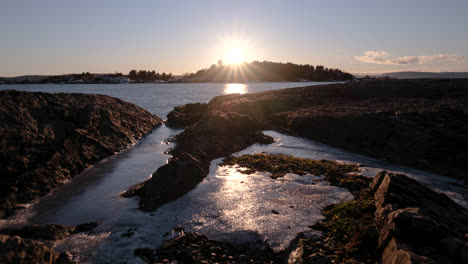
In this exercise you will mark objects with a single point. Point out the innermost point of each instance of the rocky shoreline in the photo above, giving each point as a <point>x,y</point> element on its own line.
<point>49,138</point>
<point>218,135</point>
<point>419,123</point>
<point>393,219</point>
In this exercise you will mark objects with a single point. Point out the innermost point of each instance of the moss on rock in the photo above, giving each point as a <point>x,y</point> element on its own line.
<point>280,164</point>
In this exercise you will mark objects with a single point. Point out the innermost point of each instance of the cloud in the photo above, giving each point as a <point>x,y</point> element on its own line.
<point>382,57</point>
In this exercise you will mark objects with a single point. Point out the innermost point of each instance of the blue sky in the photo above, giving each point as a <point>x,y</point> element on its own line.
<point>61,36</point>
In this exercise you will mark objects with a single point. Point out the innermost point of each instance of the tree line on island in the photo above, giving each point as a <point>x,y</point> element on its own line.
<point>267,71</point>
<point>145,76</point>
<point>255,71</point>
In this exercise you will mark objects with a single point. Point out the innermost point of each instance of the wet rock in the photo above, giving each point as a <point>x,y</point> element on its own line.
<point>49,138</point>
<point>85,227</point>
<point>218,134</point>
<point>172,181</point>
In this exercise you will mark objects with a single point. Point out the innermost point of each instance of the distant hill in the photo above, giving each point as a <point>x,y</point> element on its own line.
<point>32,78</point>
<point>422,75</point>
<point>267,71</point>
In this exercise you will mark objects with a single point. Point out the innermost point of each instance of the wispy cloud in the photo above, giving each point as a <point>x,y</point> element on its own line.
<point>382,57</point>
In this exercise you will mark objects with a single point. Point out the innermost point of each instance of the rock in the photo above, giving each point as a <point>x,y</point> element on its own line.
<point>66,258</point>
<point>218,134</point>
<point>397,191</point>
<point>191,247</point>
<point>186,115</point>
<point>49,138</point>
<point>14,249</point>
<point>51,232</point>
<point>419,224</point>
<point>430,133</point>
<point>85,227</point>
<point>41,232</point>
<point>171,181</point>
<point>393,254</point>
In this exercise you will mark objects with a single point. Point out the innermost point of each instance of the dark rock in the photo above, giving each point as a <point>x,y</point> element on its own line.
<point>186,115</point>
<point>172,181</point>
<point>14,249</point>
<point>194,248</point>
<point>430,131</point>
<point>85,227</point>
<point>51,232</point>
<point>419,224</point>
<point>49,138</point>
<point>66,258</point>
<point>41,232</point>
<point>218,134</point>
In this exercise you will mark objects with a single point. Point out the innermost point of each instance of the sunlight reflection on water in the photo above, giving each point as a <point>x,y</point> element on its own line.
<point>231,88</point>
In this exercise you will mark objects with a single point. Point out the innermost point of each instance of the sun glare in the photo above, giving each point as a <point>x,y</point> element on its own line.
<point>235,56</point>
<point>235,49</point>
<point>230,88</point>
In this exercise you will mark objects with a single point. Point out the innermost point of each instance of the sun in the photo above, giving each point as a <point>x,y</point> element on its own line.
<point>235,56</point>
<point>234,49</point>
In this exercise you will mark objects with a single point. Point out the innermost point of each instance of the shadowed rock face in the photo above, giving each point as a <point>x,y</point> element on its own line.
<point>419,225</point>
<point>217,134</point>
<point>419,123</point>
<point>14,249</point>
<point>46,139</point>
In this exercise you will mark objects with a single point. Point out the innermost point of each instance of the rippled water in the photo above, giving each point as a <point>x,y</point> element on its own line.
<point>227,205</point>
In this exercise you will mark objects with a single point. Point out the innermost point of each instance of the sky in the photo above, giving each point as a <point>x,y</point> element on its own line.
<point>60,36</point>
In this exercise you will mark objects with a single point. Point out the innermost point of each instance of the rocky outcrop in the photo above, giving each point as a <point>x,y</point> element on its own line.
<point>217,134</point>
<point>46,139</point>
<point>395,220</point>
<point>186,115</point>
<point>419,225</point>
<point>14,249</point>
<point>419,123</point>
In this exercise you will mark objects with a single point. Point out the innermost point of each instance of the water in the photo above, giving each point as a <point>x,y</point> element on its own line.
<point>159,99</point>
<point>226,206</point>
